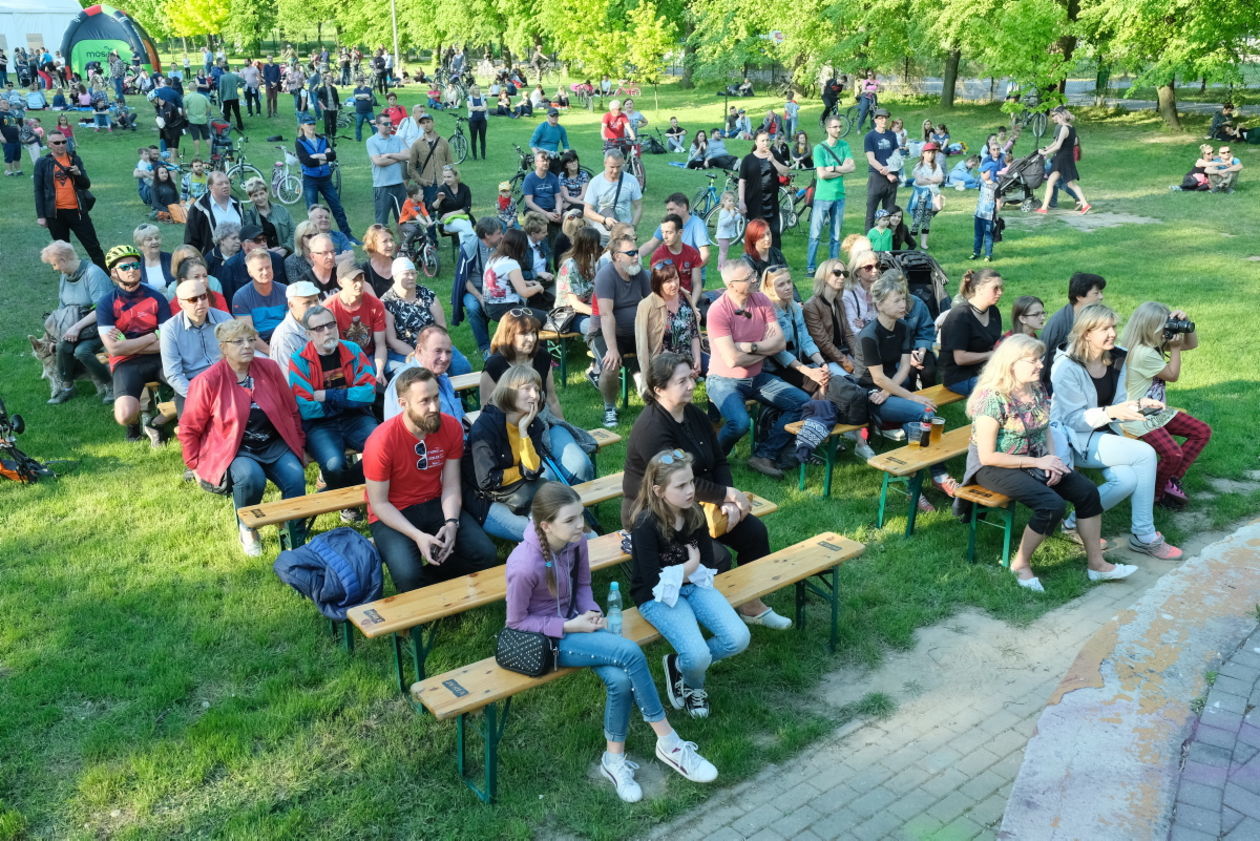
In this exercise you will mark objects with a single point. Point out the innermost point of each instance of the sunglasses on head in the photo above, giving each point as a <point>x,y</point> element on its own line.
<point>660,264</point>
<point>673,456</point>
<point>520,312</point>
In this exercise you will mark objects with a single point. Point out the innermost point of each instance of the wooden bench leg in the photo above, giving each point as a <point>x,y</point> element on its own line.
<point>491,732</point>
<point>344,633</point>
<point>971,533</point>
<point>421,639</point>
<point>829,455</point>
<point>558,349</point>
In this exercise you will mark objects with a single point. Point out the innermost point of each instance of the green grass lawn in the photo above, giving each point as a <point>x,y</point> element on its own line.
<point>155,683</point>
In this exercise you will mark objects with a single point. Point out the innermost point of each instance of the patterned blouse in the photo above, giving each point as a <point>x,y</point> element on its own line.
<point>680,329</point>
<point>410,317</point>
<point>570,280</point>
<point>1023,423</point>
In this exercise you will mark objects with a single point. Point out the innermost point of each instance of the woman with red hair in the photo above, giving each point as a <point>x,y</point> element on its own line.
<point>759,252</point>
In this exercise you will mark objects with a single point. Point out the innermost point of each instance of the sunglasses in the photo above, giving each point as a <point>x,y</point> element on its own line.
<point>422,456</point>
<point>672,457</point>
<point>521,312</point>
<point>839,273</point>
<point>127,267</point>
<point>660,264</point>
<point>63,143</point>
<point>204,296</point>
<point>634,252</point>
<point>319,328</point>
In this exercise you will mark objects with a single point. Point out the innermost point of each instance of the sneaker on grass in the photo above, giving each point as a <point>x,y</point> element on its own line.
<point>684,758</point>
<point>610,417</point>
<point>696,701</point>
<point>675,687</point>
<point>620,772</point>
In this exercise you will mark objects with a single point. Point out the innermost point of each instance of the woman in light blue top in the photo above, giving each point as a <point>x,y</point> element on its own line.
<point>800,362</point>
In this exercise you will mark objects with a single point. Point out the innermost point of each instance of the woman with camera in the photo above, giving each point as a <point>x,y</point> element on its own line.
<point>1088,384</point>
<point>1012,452</point>
<point>1155,338</point>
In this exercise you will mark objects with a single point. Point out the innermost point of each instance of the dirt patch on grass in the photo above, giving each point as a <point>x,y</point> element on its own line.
<point>1092,221</point>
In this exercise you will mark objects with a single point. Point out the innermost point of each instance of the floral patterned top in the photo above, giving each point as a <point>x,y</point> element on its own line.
<point>573,186</point>
<point>1023,422</point>
<point>570,279</point>
<point>410,317</point>
<point>680,329</point>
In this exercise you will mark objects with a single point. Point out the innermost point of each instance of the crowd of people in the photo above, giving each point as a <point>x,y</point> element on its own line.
<point>283,346</point>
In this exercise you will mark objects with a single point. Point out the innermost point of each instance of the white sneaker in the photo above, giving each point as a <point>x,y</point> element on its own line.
<point>250,544</point>
<point>863,450</point>
<point>769,619</point>
<point>686,761</point>
<point>620,773</point>
<point>896,434</point>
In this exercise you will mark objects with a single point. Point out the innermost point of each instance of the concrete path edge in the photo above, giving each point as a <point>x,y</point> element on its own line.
<point>1105,760</point>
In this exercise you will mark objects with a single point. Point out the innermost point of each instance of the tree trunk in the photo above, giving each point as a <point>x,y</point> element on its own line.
<point>1101,81</point>
<point>950,78</point>
<point>1167,105</point>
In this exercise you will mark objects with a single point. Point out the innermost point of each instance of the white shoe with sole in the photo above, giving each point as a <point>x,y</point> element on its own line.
<point>685,759</point>
<point>620,773</point>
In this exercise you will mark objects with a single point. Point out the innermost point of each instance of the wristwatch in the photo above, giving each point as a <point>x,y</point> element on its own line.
<point>454,520</point>
<point>752,347</point>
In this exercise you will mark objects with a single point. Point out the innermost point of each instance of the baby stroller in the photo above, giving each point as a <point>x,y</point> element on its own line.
<point>1026,173</point>
<point>924,277</point>
<point>220,141</point>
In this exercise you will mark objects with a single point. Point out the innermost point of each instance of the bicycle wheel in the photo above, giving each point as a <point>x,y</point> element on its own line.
<point>238,174</point>
<point>288,190</point>
<point>429,261</point>
<point>703,202</point>
<point>787,212</point>
<point>849,120</point>
<point>344,119</point>
<point>637,170</point>
<point>459,146</point>
<point>517,196</point>
<point>711,222</point>
<point>336,178</point>
<point>1039,124</point>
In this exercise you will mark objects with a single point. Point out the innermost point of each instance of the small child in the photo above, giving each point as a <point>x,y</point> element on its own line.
<point>143,173</point>
<point>729,224</point>
<point>671,580</point>
<point>507,207</point>
<point>986,212</point>
<point>414,220</point>
<point>63,126</point>
<point>195,184</point>
<point>676,136</point>
<point>791,111</point>
<point>36,146</point>
<point>881,235</point>
<point>100,114</point>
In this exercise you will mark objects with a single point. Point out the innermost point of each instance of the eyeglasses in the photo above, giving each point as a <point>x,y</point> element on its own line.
<point>422,456</point>
<point>660,264</point>
<point>320,328</point>
<point>839,273</point>
<point>127,267</point>
<point>324,253</point>
<point>634,252</point>
<point>204,296</point>
<point>672,457</point>
<point>241,342</point>
<point>1041,314</point>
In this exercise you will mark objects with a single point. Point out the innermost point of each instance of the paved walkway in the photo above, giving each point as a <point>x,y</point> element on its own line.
<point>942,766</point>
<point>1219,794</point>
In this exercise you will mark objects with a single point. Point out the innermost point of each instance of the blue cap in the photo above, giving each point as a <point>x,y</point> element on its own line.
<point>881,213</point>
<point>308,120</point>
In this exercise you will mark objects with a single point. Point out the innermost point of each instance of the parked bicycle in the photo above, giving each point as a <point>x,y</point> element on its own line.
<point>626,88</point>
<point>286,187</point>
<point>847,117</point>
<point>633,151</point>
<point>228,155</point>
<point>710,196</point>
<point>423,250</point>
<point>458,141</point>
<point>1031,116</point>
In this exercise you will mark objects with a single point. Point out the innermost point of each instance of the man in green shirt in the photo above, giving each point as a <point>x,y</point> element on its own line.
<point>230,97</point>
<point>832,159</point>
<point>197,112</point>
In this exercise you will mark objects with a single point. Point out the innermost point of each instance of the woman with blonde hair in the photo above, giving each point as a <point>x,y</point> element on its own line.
<point>1012,452</point>
<point>1154,360</point>
<point>273,218</point>
<point>380,247</point>
<point>296,264</point>
<point>800,362</point>
<point>1089,404</point>
<point>824,317</point>
<point>155,264</point>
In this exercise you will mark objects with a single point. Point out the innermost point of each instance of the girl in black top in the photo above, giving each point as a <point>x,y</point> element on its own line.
<point>672,580</point>
<point>670,420</point>
<point>971,330</point>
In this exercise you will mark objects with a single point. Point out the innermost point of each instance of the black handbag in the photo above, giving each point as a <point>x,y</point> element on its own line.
<point>529,652</point>
<point>559,320</point>
<point>519,496</point>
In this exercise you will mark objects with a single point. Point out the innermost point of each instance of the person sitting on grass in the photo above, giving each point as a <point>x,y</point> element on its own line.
<point>1012,452</point>
<point>1154,360</point>
<point>240,427</point>
<point>671,580</point>
<point>1223,171</point>
<point>549,592</point>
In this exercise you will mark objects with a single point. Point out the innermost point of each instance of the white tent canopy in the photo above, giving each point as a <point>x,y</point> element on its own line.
<point>28,24</point>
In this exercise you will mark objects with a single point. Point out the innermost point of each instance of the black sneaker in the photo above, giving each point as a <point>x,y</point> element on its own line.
<point>592,377</point>
<point>133,432</point>
<point>675,688</point>
<point>697,702</point>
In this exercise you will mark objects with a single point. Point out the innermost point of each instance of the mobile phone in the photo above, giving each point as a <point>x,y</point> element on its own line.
<point>1149,410</point>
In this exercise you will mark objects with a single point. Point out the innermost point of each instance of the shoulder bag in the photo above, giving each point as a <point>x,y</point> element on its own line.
<point>529,652</point>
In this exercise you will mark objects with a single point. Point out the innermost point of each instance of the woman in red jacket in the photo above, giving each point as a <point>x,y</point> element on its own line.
<point>241,427</point>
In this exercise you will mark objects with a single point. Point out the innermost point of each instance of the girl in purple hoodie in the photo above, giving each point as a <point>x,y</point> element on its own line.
<point>549,592</point>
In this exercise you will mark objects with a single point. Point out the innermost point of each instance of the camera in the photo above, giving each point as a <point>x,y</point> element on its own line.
<point>1175,326</point>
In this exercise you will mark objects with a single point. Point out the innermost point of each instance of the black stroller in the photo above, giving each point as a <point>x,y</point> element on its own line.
<point>924,277</point>
<point>1026,173</point>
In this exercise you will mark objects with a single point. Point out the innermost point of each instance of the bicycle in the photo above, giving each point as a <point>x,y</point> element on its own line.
<point>285,186</point>
<point>458,141</point>
<point>715,211</point>
<point>1029,118</point>
<point>232,161</point>
<point>792,207</point>
<point>423,251</point>
<point>709,197</point>
<point>633,151</point>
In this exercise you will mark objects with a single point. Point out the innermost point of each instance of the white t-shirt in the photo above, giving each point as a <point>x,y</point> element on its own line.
<point>153,276</point>
<point>601,192</point>
<point>496,283</point>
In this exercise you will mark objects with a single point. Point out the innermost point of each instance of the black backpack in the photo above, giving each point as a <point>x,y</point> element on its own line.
<point>850,400</point>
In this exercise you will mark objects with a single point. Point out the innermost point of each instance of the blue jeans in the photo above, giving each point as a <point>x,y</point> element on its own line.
<point>118,89</point>
<point>1128,466</point>
<point>729,394</point>
<point>503,523</point>
<point>964,388</point>
<point>983,237</point>
<point>680,625</point>
<point>359,120</point>
<point>864,107</point>
<point>620,664</point>
<point>573,459</point>
<point>476,316</point>
<point>327,440</point>
<point>822,212</point>
<point>249,478</point>
<point>315,186</point>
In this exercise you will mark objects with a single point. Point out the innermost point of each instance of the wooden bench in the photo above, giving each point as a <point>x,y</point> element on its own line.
<point>908,465</point>
<point>409,616</point>
<point>483,685</point>
<point>983,498</point>
<point>558,349</point>
<point>939,395</point>
<point>468,387</point>
<point>291,514</point>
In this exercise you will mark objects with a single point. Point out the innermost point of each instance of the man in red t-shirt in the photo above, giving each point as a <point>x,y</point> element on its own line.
<point>360,318</point>
<point>685,258</point>
<point>616,128</point>
<point>415,511</point>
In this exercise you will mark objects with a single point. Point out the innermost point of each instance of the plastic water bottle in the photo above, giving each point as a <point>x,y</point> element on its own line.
<point>614,608</point>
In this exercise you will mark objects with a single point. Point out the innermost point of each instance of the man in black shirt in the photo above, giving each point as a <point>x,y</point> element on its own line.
<point>883,176</point>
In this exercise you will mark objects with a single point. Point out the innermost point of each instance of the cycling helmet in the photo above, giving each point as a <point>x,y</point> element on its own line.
<point>119,252</point>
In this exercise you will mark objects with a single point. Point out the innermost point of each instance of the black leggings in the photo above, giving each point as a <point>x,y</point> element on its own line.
<point>478,131</point>
<point>1047,502</point>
